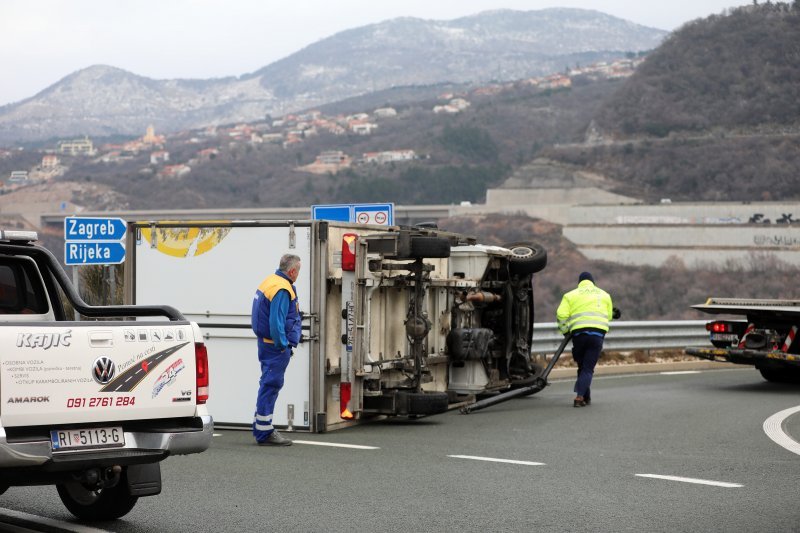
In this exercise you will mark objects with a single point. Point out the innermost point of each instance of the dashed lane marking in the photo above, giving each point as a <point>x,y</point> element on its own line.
<point>496,460</point>
<point>773,427</point>
<point>724,484</point>
<point>336,445</point>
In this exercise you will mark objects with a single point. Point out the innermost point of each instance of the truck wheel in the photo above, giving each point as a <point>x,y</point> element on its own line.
<point>107,503</point>
<point>429,247</point>
<point>526,258</point>
<point>780,375</point>
<point>426,403</point>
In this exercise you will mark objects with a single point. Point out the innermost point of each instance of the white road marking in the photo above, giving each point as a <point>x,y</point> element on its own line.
<point>679,372</point>
<point>693,480</point>
<point>495,460</point>
<point>216,434</point>
<point>47,522</point>
<point>773,427</point>
<point>336,445</point>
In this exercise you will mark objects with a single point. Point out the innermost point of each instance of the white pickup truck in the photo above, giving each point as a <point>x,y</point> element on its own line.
<point>92,406</point>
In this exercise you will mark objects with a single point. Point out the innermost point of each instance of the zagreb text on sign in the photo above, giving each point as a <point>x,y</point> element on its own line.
<point>94,229</point>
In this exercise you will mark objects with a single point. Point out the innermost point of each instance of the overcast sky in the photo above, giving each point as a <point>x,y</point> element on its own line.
<point>41,41</point>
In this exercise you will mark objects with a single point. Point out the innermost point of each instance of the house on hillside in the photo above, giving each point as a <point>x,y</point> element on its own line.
<point>174,171</point>
<point>76,147</point>
<point>49,161</point>
<point>385,112</point>
<point>362,127</point>
<point>389,156</point>
<point>329,161</point>
<point>159,156</point>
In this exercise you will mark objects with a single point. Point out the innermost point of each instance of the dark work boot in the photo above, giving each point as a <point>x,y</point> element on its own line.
<point>275,439</point>
<point>578,402</point>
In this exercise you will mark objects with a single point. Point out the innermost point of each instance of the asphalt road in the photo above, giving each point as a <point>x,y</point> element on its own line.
<point>611,466</point>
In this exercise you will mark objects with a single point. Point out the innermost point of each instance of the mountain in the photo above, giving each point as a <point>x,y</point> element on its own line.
<point>713,114</point>
<point>494,45</point>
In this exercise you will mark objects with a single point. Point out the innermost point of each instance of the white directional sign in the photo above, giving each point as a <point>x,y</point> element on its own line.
<point>94,241</point>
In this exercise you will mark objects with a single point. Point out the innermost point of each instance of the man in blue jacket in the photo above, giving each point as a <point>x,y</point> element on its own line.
<point>276,321</point>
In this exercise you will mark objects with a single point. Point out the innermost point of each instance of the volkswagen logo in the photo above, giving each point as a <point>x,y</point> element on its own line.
<point>103,370</point>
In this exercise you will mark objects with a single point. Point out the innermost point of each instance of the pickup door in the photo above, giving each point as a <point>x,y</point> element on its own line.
<point>87,372</point>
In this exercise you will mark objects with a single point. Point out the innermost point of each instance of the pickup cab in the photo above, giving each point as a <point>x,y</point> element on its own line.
<point>92,406</point>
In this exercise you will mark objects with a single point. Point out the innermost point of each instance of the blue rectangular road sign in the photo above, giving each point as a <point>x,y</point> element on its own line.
<point>93,253</point>
<point>380,214</point>
<point>334,213</point>
<point>94,229</point>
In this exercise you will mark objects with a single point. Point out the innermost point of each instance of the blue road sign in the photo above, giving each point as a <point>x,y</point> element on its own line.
<point>380,214</point>
<point>93,253</point>
<point>94,229</point>
<point>335,213</point>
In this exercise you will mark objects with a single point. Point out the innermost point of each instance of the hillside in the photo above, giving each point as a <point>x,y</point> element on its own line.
<point>459,155</point>
<point>713,114</point>
<point>497,45</point>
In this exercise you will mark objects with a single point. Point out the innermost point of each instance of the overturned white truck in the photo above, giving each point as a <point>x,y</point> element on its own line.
<point>397,321</point>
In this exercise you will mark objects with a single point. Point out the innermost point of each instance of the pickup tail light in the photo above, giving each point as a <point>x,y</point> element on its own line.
<point>201,364</point>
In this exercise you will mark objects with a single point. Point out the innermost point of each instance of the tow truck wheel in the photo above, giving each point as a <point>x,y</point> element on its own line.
<point>780,375</point>
<point>526,258</point>
<point>107,503</point>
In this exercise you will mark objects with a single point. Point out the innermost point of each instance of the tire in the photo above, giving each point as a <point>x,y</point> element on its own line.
<point>780,375</point>
<point>429,247</point>
<point>426,403</point>
<point>108,503</point>
<point>526,258</point>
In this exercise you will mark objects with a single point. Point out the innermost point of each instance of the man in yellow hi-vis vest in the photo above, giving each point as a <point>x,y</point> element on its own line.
<point>585,312</point>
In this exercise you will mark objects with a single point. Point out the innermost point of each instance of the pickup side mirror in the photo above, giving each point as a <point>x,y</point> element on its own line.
<point>615,313</point>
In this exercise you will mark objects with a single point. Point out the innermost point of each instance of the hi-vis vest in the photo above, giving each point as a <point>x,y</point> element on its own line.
<point>261,304</point>
<point>584,307</point>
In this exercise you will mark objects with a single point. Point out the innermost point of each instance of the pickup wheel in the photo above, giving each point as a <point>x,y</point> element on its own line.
<point>526,258</point>
<point>107,503</point>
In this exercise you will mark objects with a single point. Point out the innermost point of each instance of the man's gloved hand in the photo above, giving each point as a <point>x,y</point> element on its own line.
<point>615,313</point>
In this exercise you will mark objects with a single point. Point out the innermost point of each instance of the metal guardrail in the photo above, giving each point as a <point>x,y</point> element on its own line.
<point>623,336</point>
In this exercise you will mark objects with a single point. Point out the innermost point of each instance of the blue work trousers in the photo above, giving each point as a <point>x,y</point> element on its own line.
<point>586,350</point>
<point>273,369</point>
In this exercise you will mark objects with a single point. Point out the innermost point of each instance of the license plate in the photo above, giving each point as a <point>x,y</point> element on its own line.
<point>76,439</point>
<point>731,337</point>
